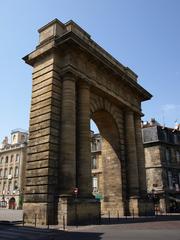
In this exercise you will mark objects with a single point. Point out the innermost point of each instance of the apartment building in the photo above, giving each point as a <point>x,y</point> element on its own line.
<point>162,162</point>
<point>13,156</point>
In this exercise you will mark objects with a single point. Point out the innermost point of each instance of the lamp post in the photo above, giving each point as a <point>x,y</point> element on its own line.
<point>76,191</point>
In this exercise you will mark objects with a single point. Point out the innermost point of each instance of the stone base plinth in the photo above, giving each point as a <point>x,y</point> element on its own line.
<point>163,206</point>
<point>39,213</point>
<point>134,206</point>
<point>79,211</point>
<point>114,208</point>
<point>140,207</point>
<point>146,208</point>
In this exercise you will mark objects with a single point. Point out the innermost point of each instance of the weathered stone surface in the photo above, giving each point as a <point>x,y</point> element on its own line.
<point>42,164</point>
<point>37,198</point>
<point>112,181</point>
<point>45,96</point>
<point>38,156</point>
<point>40,172</point>
<point>84,151</point>
<point>59,123</point>
<point>44,70</point>
<point>46,83</point>
<point>45,125</point>
<point>46,89</point>
<point>87,210</point>
<point>43,132</point>
<point>40,180</point>
<point>132,165</point>
<point>68,136</point>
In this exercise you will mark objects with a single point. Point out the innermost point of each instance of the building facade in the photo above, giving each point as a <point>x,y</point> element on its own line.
<point>162,161</point>
<point>12,169</point>
<point>96,164</point>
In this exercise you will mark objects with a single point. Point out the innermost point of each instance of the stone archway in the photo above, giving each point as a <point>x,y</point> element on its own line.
<point>75,79</point>
<point>109,119</point>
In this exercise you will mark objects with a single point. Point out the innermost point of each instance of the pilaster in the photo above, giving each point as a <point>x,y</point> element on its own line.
<point>132,167</point>
<point>133,180</point>
<point>83,138</point>
<point>67,167</point>
<point>140,156</point>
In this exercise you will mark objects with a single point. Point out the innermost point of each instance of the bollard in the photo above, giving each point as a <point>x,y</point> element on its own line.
<point>64,225</point>
<point>99,220</point>
<point>133,213</point>
<point>118,215</point>
<point>89,219</point>
<point>109,216</point>
<point>35,219</point>
<point>126,214</point>
<point>23,219</point>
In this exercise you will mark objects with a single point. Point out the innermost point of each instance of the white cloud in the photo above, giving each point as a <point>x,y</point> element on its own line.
<point>170,107</point>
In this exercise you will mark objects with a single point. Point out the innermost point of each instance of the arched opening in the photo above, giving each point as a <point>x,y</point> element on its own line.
<point>12,203</point>
<point>107,164</point>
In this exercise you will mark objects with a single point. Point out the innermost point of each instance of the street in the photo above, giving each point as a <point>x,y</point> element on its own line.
<point>155,230</point>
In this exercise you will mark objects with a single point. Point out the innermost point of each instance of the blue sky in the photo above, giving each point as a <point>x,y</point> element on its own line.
<point>142,34</point>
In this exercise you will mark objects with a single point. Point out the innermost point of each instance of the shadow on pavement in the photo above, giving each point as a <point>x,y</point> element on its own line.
<point>37,233</point>
<point>27,232</point>
<point>129,220</point>
<point>78,236</point>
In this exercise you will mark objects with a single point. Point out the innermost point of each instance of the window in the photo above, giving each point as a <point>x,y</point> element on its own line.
<point>10,171</point>
<point>5,173</point>
<point>4,187</point>
<point>0,173</point>
<point>12,158</point>
<point>9,186</point>
<point>95,183</point>
<point>15,185</point>
<point>14,138</point>
<point>94,162</point>
<point>16,172</point>
<point>167,155</point>
<point>165,137</point>
<point>17,157</point>
<point>6,161</point>
<point>93,146</point>
<point>170,180</point>
<point>175,138</point>
<point>98,145</point>
<point>1,160</point>
<point>178,156</point>
<point>22,138</point>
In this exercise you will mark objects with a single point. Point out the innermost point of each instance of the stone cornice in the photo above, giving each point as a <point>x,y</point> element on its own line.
<point>115,67</point>
<point>73,34</point>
